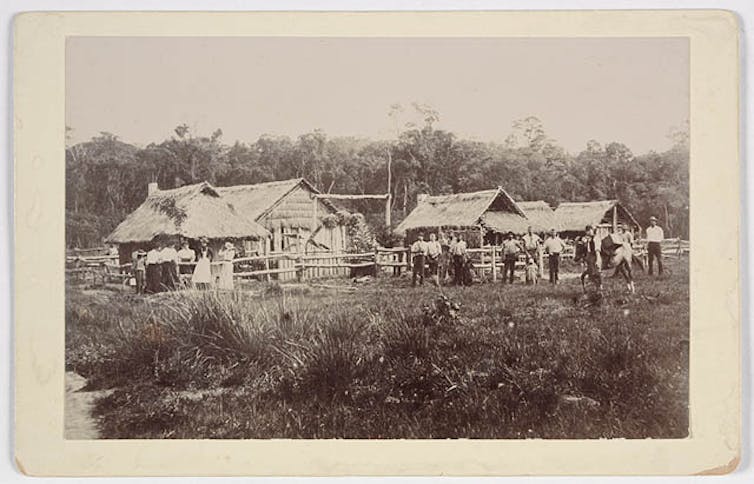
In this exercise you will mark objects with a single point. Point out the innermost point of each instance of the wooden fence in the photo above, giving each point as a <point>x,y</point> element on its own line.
<point>95,266</point>
<point>317,265</point>
<point>487,262</point>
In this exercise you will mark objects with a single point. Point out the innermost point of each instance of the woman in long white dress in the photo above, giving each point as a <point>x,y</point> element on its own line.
<point>202,277</point>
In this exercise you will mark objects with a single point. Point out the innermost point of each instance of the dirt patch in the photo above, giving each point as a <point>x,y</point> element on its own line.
<point>79,423</point>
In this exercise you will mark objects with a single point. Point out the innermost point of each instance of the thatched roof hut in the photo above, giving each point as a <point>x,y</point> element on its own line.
<point>278,204</point>
<point>573,217</point>
<point>541,216</point>
<point>290,211</point>
<point>192,211</point>
<point>486,211</point>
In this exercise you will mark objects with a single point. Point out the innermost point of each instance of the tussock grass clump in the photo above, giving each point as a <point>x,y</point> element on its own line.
<point>488,361</point>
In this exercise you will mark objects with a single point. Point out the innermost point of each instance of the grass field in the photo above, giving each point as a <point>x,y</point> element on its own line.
<point>384,360</point>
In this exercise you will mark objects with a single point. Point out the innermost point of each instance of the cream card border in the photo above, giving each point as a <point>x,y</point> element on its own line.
<point>713,447</point>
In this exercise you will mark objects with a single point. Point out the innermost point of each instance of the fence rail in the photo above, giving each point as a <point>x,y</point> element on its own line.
<point>487,261</point>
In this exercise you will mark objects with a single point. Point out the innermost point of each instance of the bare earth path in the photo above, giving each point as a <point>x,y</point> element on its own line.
<point>79,423</point>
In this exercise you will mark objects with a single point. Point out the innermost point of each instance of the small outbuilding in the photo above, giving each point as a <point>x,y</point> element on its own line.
<point>604,215</point>
<point>479,217</point>
<point>190,212</point>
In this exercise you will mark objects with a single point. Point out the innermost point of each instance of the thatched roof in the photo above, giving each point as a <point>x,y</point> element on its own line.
<point>541,216</point>
<point>461,210</point>
<point>504,222</point>
<point>575,216</point>
<point>192,211</point>
<point>258,201</point>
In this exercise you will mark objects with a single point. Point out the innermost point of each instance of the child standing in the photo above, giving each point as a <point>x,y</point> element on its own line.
<point>532,271</point>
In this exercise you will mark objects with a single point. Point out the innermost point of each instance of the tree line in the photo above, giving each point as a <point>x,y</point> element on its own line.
<point>107,178</point>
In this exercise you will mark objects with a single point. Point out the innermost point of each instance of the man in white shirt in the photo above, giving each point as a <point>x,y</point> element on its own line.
<point>511,248</point>
<point>434,251</point>
<point>419,253</point>
<point>458,253</point>
<point>554,246</point>
<point>655,236</point>
<point>532,243</point>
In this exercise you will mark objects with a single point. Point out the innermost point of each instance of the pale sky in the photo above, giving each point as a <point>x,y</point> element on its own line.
<point>627,90</point>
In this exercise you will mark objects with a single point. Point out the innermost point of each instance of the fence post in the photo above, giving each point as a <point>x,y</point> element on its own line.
<point>494,263</point>
<point>376,261</point>
<point>267,267</point>
<point>300,270</point>
<point>300,267</point>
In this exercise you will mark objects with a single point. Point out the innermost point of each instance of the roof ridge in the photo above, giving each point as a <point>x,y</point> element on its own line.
<point>479,193</point>
<point>592,202</point>
<point>185,189</point>
<point>264,184</point>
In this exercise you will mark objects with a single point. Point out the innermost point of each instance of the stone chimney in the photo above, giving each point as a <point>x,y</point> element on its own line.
<point>421,198</point>
<point>152,188</point>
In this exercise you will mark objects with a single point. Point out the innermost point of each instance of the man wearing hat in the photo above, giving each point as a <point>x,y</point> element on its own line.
<point>511,249</point>
<point>139,265</point>
<point>592,257</point>
<point>655,236</point>
<point>419,253</point>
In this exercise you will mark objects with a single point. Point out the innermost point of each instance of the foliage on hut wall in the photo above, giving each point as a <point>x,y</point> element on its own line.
<point>360,236</point>
<point>167,206</point>
<point>330,221</point>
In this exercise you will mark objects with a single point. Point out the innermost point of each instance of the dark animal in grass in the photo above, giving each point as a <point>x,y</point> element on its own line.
<point>613,255</point>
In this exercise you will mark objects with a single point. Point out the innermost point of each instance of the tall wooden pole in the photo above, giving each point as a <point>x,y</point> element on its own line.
<point>388,202</point>
<point>387,210</point>
<point>389,168</point>
<point>314,215</point>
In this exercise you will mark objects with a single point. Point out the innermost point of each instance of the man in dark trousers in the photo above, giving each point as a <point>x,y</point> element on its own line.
<point>139,264</point>
<point>654,249</point>
<point>532,243</point>
<point>511,248</point>
<point>458,253</point>
<point>554,246</point>
<point>592,258</point>
<point>419,253</point>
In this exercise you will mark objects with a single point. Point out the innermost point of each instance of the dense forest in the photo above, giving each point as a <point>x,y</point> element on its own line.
<point>107,178</point>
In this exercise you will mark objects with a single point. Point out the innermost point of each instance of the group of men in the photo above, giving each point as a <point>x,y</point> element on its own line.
<point>440,255</point>
<point>532,245</point>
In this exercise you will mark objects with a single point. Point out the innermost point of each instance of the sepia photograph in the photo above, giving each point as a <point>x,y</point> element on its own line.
<point>376,238</point>
<point>377,244</point>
